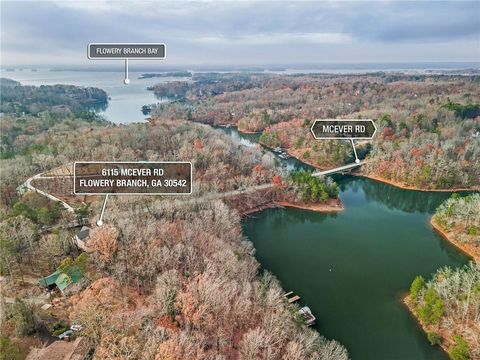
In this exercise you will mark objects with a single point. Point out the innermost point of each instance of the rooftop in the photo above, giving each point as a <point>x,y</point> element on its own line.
<point>61,350</point>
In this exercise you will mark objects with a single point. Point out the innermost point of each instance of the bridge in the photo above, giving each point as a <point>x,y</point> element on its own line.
<point>343,168</point>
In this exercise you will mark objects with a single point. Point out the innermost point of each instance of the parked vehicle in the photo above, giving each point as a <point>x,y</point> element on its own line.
<point>66,334</point>
<point>76,327</point>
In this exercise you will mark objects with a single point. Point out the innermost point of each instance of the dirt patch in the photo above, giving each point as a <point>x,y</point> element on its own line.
<point>331,205</point>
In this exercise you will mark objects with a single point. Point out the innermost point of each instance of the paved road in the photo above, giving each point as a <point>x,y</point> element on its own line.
<point>29,185</point>
<point>37,300</point>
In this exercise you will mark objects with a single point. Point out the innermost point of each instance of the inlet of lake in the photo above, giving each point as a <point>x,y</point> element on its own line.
<point>125,101</point>
<point>352,268</point>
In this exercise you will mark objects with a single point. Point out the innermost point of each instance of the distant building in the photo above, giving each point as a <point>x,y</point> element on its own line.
<point>62,350</point>
<point>81,238</point>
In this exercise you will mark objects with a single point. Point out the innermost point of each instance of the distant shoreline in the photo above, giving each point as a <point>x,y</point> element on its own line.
<point>427,68</point>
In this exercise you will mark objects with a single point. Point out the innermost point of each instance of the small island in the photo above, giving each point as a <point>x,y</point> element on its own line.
<point>166,74</point>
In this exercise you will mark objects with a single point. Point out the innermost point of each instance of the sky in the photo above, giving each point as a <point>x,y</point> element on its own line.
<point>245,33</point>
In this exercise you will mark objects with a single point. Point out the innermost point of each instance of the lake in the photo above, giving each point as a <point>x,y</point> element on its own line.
<point>353,268</point>
<point>126,101</point>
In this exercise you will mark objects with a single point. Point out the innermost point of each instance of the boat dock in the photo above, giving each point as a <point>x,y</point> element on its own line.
<point>304,312</point>
<point>291,297</point>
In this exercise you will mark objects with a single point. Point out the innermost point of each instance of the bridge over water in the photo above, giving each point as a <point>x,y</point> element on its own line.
<point>343,168</point>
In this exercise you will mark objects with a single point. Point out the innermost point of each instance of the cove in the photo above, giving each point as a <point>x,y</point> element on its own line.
<point>353,268</point>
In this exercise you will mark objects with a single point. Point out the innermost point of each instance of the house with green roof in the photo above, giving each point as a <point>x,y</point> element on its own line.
<point>62,279</point>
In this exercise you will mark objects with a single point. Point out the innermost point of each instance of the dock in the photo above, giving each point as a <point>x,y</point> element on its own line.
<point>291,297</point>
<point>305,313</point>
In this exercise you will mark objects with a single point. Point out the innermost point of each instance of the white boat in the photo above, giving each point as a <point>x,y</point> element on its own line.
<point>307,316</point>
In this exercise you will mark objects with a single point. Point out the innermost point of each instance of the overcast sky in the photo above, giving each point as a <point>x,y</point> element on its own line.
<point>245,33</point>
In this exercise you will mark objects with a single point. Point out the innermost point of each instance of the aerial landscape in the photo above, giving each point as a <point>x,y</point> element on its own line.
<point>190,203</point>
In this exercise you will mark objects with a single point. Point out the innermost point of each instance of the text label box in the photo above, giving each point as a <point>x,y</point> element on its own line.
<point>132,178</point>
<point>126,51</point>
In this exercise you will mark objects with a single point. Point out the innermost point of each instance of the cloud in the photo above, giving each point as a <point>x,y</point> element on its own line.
<point>276,38</point>
<point>433,21</point>
<point>245,32</point>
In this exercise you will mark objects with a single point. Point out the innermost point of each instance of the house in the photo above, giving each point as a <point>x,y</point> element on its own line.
<point>64,280</point>
<point>81,238</point>
<point>62,350</point>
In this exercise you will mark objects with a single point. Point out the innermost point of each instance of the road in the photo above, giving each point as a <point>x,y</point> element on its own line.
<point>29,186</point>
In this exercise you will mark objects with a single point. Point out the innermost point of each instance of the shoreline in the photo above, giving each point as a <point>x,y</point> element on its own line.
<point>410,187</point>
<point>387,181</point>
<point>328,207</point>
<point>331,206</point>
<point>397,184</point>
<point>297,156</point>
<point>383,180</point>
<point>256,209</point>
<point>446,341</point>
<point>227,126</point>
<point>248,132</point>
<point>465,248</point>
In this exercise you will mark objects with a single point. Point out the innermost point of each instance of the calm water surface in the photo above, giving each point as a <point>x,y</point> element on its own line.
<point>352,268</point>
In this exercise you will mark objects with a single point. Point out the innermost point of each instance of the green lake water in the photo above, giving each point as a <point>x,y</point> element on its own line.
<point>352,268</point>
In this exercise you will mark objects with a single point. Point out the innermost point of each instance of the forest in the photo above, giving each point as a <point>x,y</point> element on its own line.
<point>428,125</point>
<point>448,306</point>
<point>167,278</point>
<point>22,99</point>
<point>459,219</point>
<point>176,279</point>
<point>308,188</point>
<point>28,111</point>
